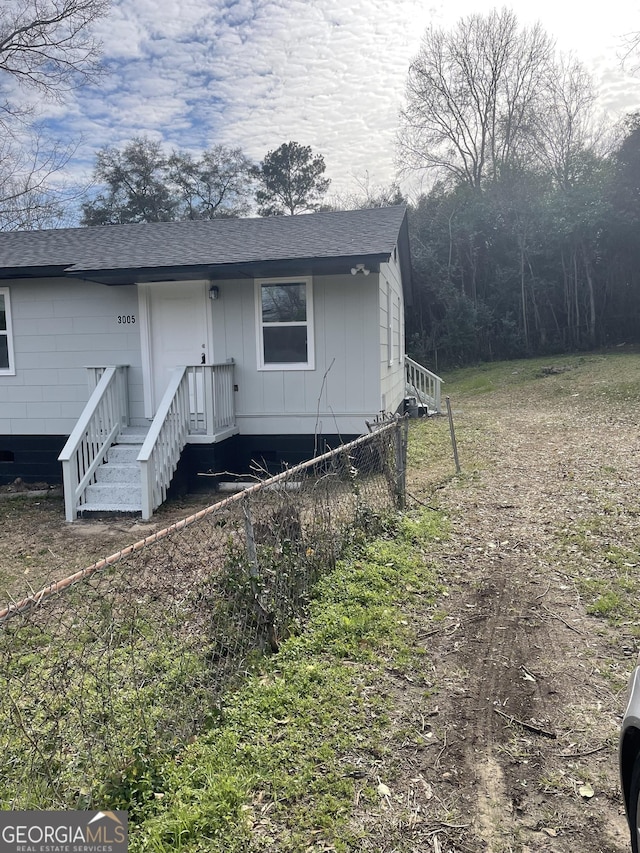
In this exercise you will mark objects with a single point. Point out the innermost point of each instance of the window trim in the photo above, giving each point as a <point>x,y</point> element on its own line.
<point>309,364</point>
<point>399,329</point>
<point>389,325</point>
<point>11,369</point>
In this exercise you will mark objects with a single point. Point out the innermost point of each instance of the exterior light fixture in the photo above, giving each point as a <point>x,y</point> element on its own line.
<point>360,268</point>
<point>214,291</point>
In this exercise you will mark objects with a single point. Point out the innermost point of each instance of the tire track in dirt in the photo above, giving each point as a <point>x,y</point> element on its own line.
<point>548,488</point>
<point>513,644</point>
<point>498,650</point>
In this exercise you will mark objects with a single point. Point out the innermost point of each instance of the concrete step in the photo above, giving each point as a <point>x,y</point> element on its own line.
<point>108,509</point>
<point>123,454</point>
<point>126,492</point>
<point>114,472</point>
<point>111,496</point>
<point>118,487</point>
<point>133,435</point>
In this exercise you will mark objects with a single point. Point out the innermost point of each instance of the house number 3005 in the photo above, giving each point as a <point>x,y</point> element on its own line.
<point>127,319</point>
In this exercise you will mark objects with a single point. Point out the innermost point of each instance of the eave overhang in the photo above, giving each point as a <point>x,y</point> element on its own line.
<point>212,272</point>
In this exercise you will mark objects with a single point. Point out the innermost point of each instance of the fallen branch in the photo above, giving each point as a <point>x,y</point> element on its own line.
<point>431,633</point>
<point>439,825</point>
<point>542,594</point>
<point>422,503</point>
<point>583,754</point>
<point>441,753</point>
<point>564,621</point>
<point>529,726</point>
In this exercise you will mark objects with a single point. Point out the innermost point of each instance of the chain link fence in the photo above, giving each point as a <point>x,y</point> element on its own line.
<point>105,674</point>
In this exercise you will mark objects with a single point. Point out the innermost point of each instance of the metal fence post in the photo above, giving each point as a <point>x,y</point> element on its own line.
<point>400,456</point>
<point>266,618</point>
<point>454,443</point>
<point>252,554</point>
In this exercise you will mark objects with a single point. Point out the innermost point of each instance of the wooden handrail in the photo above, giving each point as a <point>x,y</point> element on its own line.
<point>167,436</point>
<point>422,383</point>
<point>198,400</point>
<point>104,415</point>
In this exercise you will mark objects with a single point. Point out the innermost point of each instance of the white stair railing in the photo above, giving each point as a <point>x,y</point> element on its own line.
<point>224,409</point>
<point>211,398</point>
<point>99,425</point>
<point>423,384</point>
<point>198,401</point>
<point>167,436</point>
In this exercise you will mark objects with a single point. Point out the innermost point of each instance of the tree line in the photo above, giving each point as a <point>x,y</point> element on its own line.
<point>140,183</point>
<point>525,241</point>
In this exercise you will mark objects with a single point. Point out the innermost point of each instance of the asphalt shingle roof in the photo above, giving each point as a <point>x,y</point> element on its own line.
<point>200,243</point>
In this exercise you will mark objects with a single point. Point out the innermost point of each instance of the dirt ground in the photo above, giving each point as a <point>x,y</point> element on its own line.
<point>37,545</point>
<point>507,743</point>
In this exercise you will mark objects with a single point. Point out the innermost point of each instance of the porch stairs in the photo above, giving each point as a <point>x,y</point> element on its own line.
<point>423,389</point>
<point>118,486</point>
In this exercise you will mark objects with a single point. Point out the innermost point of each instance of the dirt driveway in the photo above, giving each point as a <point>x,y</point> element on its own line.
<point>515,723</point>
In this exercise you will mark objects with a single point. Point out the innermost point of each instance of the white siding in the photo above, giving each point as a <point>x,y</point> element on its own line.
<point>391,330</point>
<point>343,390</point>
<point>60,327</point>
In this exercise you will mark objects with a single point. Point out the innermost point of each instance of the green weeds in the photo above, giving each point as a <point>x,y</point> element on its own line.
<point>280,768</point>
<point>487,378</point>
<point>606,574</point>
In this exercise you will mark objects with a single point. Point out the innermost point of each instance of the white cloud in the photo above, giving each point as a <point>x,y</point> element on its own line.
<point>325,73</point>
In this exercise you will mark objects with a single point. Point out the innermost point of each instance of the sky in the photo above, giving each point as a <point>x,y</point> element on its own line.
<point>326,73</point>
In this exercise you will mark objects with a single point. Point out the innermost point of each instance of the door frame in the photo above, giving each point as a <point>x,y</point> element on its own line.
<point>146,337</point>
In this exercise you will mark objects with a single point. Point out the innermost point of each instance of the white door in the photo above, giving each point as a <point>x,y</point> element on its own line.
<point>178,330</point>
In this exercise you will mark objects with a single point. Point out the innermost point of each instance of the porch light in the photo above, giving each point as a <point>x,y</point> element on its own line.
<point>214,291</point>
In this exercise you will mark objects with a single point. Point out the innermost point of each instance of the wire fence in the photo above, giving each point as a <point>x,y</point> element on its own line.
<point>105,674</point>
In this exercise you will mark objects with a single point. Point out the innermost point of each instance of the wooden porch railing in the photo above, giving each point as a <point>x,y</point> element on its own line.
<point>198,402</point>
<point>423,384</point>
<point>106,412</point>
<point>210,398</point>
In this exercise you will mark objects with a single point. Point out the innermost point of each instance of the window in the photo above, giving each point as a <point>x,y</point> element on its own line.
<point>6,337</point>
<point>389,326</point>
<point>399,329</point>
<point>285,324</point>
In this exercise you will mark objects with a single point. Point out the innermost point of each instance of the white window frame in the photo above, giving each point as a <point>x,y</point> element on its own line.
<point>309,364</point>
<point>389,326</point>
<point>399,329</point>
<point>8,332</point>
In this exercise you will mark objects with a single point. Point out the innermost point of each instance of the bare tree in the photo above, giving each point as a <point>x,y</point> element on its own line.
<point>564,127</point>
<point>367,195</point>
<point>46,46</point>
<point>630,51</point>
<point>27,200</point>
<point>470,96</point>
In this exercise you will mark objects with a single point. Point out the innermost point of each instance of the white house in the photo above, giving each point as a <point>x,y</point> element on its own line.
<point>196,346</point>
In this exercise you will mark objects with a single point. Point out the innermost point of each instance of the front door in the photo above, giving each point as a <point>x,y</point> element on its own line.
<point>178,333</point>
